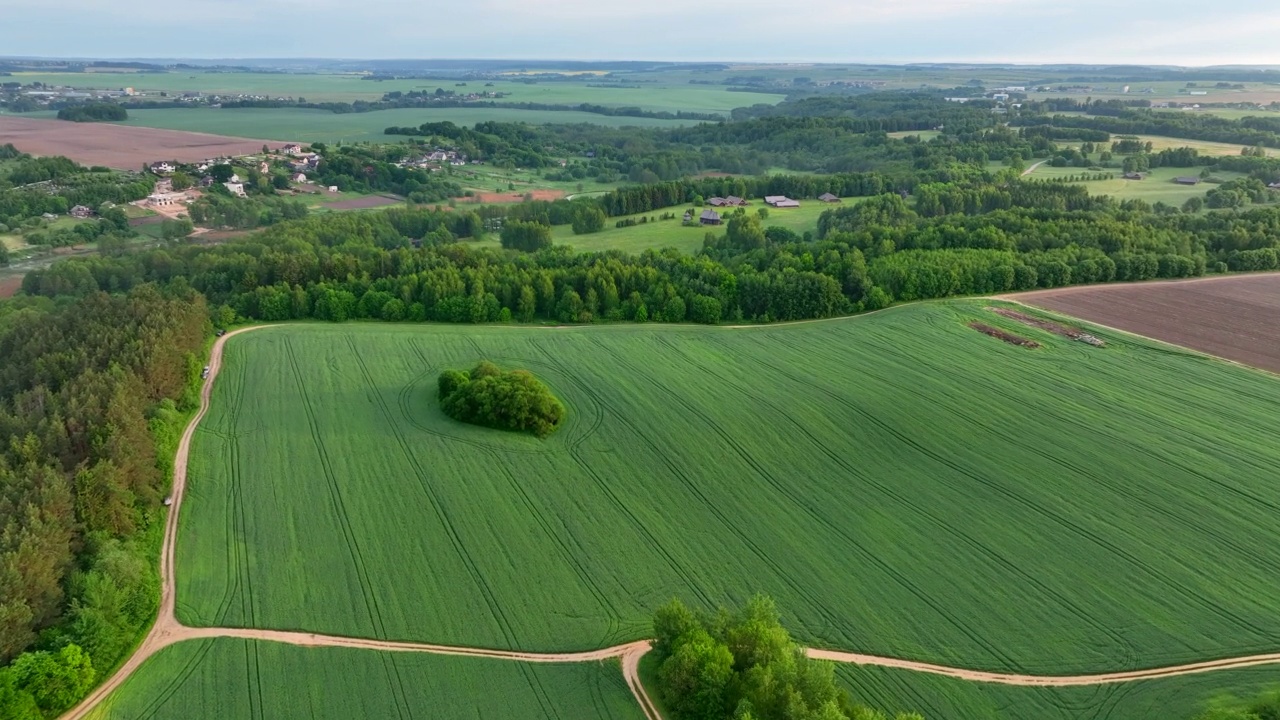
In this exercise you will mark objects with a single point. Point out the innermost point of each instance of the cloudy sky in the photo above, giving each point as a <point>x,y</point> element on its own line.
<point>1183,32</point>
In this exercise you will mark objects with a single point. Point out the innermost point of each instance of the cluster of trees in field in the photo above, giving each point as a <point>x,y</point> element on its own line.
<point>94,112</point>
<point>506,400</point>
<point>743,665</point>
<point>1264,707</point>
<point>93,392</point>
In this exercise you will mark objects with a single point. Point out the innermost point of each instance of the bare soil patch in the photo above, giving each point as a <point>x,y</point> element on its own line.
<point>364,203</point>
<point>119,146</point>
<point>1005,336</point>
<point>1053,327</point>
<point>1236,317</point>
<point>9,286</point>
<point>515,197</point>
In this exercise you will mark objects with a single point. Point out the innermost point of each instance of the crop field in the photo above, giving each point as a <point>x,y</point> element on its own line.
<point>901,484</point>
<point>669,96</point>
<point>293,124</point>
<point>943,698</point>
<point>1231,316</point>
<point>113,145</point>
<point>232,678</point>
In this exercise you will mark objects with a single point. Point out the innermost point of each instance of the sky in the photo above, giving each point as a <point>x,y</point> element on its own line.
<point>1173,32</point>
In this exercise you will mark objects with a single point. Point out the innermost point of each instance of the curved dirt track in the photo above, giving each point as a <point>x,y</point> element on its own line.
<point>167,630</point>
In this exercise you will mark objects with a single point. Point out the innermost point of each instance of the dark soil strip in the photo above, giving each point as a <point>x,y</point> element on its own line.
<point>1002,335</point>
<point>1053,327</point>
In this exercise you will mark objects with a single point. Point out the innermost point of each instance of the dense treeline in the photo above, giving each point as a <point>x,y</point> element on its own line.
<point>1263,707</point>
<point>510,400</point>
<point>93,112</point>
<point>1190,126</point>
<point>220,210</point>
<point>963,239</point>
<point>743,665</point>
<point>92,393</point>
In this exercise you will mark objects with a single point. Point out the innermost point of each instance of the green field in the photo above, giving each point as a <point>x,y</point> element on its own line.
<point>673,233</point>
<point>231,678</point>
<point>321,126</point>
<point>1158,186</point>
<point>943,698</point>
<point>666,96</point>
<point>901,484</point>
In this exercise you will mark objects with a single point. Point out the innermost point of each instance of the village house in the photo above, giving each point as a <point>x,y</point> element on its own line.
<point>206,181</point>
<point>828,198</point>
<point>81,211</point>
<point>292,149</point>
<point>162,167</point>
<point>235,188</point>
<point>709,217</point>
<point>298,177</point>
<point>716,202</point>
<point>264,167</point>
<point>164,199</point>
<point>781,201</point>
<point>735,201</point>
<point>1134,176</point>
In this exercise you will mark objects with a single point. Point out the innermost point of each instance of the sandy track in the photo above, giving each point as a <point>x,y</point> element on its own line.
<point>167,630</point>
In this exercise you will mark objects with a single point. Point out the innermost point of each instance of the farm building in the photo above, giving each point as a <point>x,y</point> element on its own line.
<point>735,201</point>
<point>81,211</point>
<point>688,217</point>
<point>717,202</point>
<point>1274,186</point>
<point>1134,176</point>
<point>781,201</point>
<point>1187,180</point>
<point>709,217</point>
<point>828,198</point>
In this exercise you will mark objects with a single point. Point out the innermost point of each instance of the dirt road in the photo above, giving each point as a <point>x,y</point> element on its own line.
<point>167,630</point>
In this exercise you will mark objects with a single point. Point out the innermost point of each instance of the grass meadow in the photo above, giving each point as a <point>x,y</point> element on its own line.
<point>232,678</point>
<point>901,484</point>
<point>1158,186</point>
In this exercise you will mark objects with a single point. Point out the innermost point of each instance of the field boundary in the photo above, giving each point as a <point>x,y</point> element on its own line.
<point>167,630</point>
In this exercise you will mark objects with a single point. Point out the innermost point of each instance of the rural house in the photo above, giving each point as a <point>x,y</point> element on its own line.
<point>781,201</point>
<point>828,198</point>
<point>1134,176</point>
<point>298,177</point>
<point>236,188</point>
<point>709,217</point>
<point>716,202</point>
<point>735,201</point>
<point>292,149</point>
<point>1187,180</point>
<point>81,211</point>
<point>162,167</point>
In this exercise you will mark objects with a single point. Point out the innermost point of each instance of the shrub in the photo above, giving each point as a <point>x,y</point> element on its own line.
<point>513,400</point>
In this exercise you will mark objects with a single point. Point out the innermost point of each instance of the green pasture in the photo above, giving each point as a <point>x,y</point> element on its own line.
<point>901,484</point>
<point>943,698</point>
<point>1158,186</point>
<point>659,97</point>
<point>232,678</point>
<point>320,126</point>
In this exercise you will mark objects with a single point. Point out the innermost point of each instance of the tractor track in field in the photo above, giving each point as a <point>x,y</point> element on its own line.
<point>167,630</point>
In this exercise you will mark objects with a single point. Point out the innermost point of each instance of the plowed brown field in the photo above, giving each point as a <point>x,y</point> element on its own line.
<point>1236,317</point>
<point>119,146</point>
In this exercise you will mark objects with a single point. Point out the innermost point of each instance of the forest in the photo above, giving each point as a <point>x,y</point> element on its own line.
<point>93,392</point>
